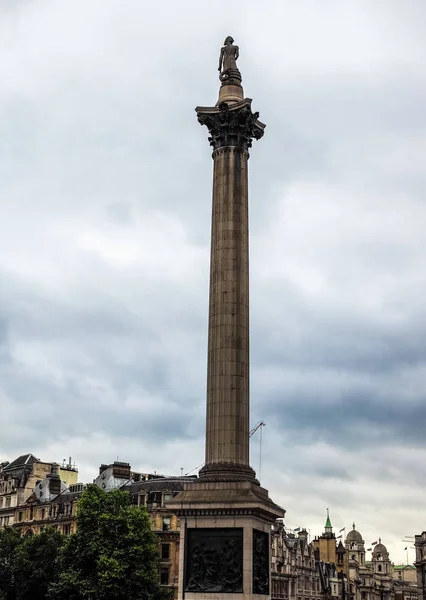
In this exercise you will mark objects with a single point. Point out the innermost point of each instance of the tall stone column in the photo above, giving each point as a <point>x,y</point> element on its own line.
<point>225,514</point>
<point>232,126</point>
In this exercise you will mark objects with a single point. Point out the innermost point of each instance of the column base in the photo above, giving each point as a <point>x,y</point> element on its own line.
<point>227,472</point>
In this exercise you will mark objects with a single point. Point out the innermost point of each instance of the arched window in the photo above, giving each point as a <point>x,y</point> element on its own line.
<point>379,568</point>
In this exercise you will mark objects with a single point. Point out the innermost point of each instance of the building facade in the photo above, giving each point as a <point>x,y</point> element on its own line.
<point>19,480</point>
<point>367,580</point>
<point>420,564</point>
<point>36,494</point>
<point>297,572</point>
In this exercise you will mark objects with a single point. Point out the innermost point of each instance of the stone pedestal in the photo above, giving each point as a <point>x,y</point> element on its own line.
<point>225,540</point>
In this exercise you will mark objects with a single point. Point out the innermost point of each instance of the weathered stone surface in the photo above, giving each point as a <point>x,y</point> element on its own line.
<point>232,127</point>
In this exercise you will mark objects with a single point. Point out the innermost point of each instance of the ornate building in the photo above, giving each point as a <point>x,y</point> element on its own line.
<point>355,547</point>
<point>367,581</point>
<point>297,571</point>
<point>420,546</point>
<point>22,478</point>
<point>359,579</point>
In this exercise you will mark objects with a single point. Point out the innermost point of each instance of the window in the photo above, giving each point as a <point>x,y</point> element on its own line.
<point>43,513</point>
<point>166,498</point>
<point>142,500</point>
<point>20,516</point>
<point>379,568</point>
<point>165,551</point>
<point>166,523</point>
<point>164,575</point>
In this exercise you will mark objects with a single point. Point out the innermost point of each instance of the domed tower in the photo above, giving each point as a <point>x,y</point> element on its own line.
<point>380,560</point>
<point>355,547</point>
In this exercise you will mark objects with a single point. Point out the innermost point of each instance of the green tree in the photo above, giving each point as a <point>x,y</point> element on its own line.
<point>36,564</point>
<point>113,554</point>
<point>10,540</point>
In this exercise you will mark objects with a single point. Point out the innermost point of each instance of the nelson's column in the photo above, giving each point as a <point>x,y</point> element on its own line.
<point>225,514</point>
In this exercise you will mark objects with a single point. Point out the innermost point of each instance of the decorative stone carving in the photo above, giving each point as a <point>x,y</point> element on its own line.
<point>232,125</point>
<point>214,560</point>
<point>261,566</point>
<point>228,70</point>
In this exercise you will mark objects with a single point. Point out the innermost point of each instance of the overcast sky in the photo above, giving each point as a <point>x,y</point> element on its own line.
<point>105,204</point>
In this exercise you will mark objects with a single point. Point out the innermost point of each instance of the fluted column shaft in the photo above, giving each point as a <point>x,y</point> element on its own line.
<point>227,434</point>
<point>232,126</point>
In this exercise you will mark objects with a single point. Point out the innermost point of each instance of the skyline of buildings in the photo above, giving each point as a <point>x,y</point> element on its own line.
<point>68,473</point>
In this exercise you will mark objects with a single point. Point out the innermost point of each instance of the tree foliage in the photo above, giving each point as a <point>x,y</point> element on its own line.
<point>28,564</point>
<point>113,554</point>
<point>36,564</point>
<point>10,540</point>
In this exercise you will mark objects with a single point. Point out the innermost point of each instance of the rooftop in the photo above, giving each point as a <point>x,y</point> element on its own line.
<point>21,461</point>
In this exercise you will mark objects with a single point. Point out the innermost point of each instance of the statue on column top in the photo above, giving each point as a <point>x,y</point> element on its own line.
<point>228,61</point>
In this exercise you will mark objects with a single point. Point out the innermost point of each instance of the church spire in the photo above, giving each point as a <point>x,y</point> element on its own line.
<point>328,526</point>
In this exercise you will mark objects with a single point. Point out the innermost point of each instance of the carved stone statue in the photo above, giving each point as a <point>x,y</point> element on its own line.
<point>228,60</point>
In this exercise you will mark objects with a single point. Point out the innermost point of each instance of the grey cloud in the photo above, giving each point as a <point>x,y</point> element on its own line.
<point>105,186</point>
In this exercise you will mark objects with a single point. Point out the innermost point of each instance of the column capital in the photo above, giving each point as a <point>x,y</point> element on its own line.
<point>231,124</point>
